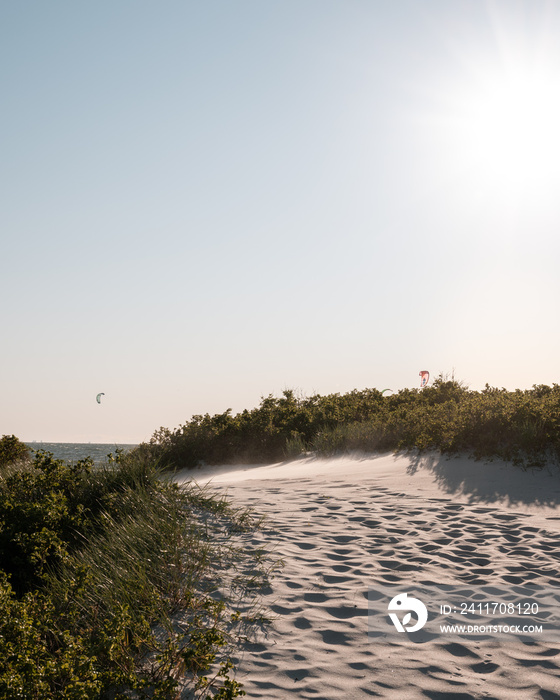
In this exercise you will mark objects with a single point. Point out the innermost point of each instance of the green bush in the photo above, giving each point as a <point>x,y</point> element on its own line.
<point>523,426</point>
<point>94,564</point>
<point>11,450</point>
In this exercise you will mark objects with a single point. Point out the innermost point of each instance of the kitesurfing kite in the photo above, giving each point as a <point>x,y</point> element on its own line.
<point>424,377</point>
<point>98,397</point>
<point>384,390</point>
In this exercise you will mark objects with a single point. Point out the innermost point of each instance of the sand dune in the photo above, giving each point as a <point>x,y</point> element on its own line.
<point>345,525</point>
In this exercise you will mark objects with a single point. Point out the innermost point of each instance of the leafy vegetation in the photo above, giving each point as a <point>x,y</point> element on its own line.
<point>115,583</point>
<point>12,450</point>
<point>523,426</point>
<point>108,582</point>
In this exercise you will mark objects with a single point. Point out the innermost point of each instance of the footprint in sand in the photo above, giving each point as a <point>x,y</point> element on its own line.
<point>460,650</point>
<point>429,547</point>
<point>336,579</point>
<point>315,597</point>
<point>302,623</point>
<point>346,613</point>
<point>396,565</point>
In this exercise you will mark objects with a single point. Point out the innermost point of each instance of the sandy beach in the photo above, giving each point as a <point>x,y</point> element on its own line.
<point>346,525</point>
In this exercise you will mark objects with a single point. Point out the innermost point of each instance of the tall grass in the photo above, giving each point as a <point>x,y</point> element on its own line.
<point>108,580</point>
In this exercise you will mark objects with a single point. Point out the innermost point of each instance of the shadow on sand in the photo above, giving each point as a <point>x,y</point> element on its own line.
<point>484,481</point>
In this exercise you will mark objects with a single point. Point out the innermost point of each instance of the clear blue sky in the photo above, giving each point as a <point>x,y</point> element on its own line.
<point>207,202</point>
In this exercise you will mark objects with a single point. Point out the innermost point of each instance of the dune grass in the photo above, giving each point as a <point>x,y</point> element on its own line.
<point>522,426</point>
<point>109,579</point>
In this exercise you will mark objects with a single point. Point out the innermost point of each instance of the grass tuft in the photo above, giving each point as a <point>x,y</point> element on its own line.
<point>108,580</point>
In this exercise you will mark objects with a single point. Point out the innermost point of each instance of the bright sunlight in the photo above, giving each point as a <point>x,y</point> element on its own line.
<point>510,131</point>
<point>501,124</point>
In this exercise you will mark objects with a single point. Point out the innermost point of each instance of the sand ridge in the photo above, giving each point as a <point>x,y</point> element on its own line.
<point>345,525</point>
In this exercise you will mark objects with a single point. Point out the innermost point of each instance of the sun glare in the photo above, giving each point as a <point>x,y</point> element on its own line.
<point>502,123</point>
<point>510,130</point>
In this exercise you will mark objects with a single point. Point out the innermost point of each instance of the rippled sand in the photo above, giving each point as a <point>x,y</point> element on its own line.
<point>344,525</point>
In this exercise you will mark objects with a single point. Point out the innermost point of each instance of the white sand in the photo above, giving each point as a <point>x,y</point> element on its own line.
<point>344,525</point>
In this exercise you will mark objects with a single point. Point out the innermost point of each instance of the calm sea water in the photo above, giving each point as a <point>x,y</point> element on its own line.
<point>73,451</point>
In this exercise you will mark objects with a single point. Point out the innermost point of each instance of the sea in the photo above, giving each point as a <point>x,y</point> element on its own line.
<point>73,451</point>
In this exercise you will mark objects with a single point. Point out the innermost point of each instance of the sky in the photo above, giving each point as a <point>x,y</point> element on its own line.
<point>204,203</point>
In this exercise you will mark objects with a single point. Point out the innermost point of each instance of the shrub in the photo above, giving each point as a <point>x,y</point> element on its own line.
<point>11,450</point>
<point>94,565</point>
<point>523,426</point>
